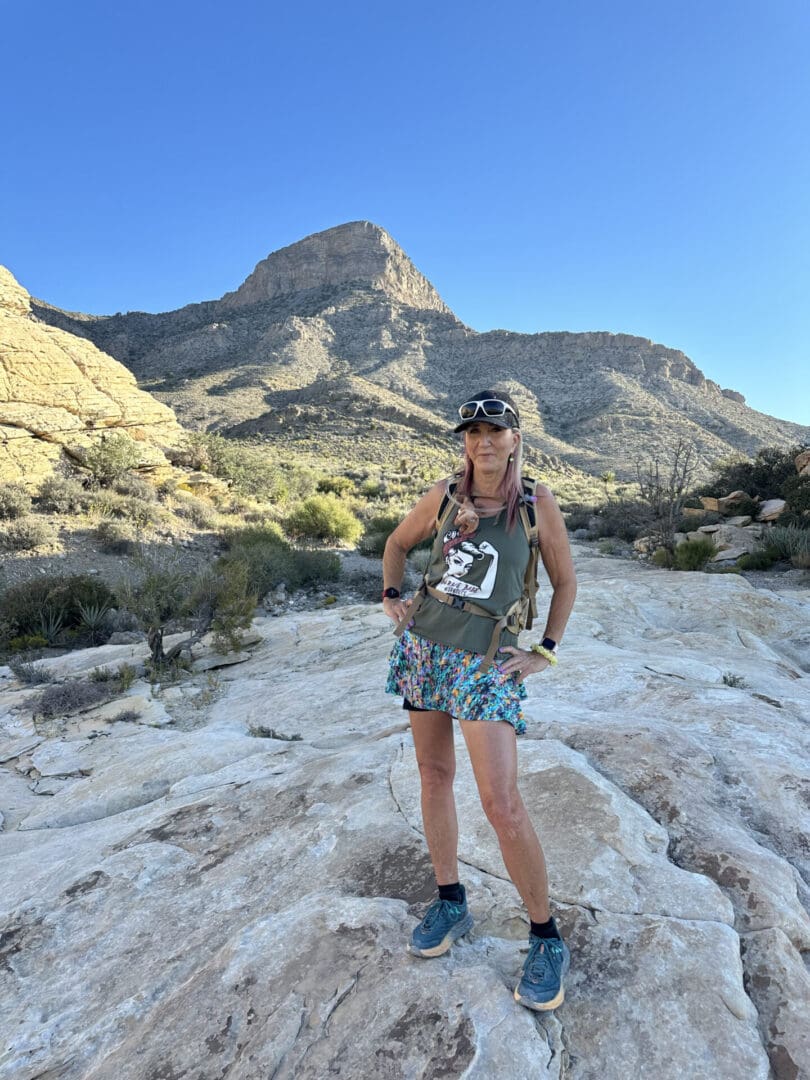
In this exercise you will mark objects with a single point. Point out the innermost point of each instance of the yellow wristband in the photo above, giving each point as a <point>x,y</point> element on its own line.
<point>541,650</point>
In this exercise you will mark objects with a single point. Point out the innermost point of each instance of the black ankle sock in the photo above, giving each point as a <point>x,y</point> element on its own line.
<point>545,929</point>
<point>453,893</point>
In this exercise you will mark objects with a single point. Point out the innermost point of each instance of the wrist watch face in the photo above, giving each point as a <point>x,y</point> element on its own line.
<point>391,593</point>
<point>549,643</point>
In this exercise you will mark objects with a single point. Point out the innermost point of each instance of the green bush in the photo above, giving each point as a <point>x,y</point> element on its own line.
<point>115,537</point>
<point>28,605</point>
<point>15,502</point>
<point>662,557</point>
<point>336,485</point>
<point>270,563</point>
<point>693,554</point>
<point>136,487</point>
<point>761,476</point>
<point>323,517</point>
<point>796,492</point>
<point>252,470</point>
<point>761,559</point>
<point>109,504</point>
<point>197,511</point>
<point>378,529</point>
<point>26,534</point>
<point>61,495</point>
<point>27,642</point>
<point>790,542</point>
<point>111,457</point>
<point>692,522</point>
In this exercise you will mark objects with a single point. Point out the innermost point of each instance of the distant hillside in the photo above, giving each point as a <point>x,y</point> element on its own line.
<point>340,330</point>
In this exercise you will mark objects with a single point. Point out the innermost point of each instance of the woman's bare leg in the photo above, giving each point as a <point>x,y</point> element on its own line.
<point>436,757</point>
<point>493,753</point>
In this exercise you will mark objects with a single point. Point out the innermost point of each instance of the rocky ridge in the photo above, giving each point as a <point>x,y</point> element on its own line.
<point>192,899</point>
<point>341,329</point>
<point>59,393</point>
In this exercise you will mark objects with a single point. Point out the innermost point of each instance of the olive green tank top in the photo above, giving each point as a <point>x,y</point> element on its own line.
<point>486,567</point>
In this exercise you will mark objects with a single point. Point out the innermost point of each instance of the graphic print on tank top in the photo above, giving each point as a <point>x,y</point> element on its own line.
<point>471,568</point>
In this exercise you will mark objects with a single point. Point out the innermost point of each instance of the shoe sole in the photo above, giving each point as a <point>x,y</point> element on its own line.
<point>455,932</point>
<point>541,1006</point>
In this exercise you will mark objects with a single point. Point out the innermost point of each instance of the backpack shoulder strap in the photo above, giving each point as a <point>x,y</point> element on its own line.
<point>446,506</point>
<point>528,518</point>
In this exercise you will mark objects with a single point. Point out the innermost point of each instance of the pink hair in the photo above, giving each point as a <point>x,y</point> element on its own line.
<point>510,488</point>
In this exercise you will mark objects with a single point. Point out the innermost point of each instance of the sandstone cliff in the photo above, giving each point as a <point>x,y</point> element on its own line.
<point>59,392</point>
<point>182,898</point>
<point>341,326</point>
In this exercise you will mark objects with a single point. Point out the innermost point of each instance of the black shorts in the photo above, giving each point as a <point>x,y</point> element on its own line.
<point>412,708</point>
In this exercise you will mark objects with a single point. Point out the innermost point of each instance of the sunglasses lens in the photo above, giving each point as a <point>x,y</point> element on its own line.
<point>468,410</point>
<point>493,408</point>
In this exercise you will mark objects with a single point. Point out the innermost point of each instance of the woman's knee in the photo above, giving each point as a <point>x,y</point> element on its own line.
<point>504,809</point>
<point>437,775</point>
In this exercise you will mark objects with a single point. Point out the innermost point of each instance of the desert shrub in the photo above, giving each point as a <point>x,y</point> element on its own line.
<point>743,505</point>
<point>26,534</point>
<point>64,699</point>
<point>111,457</point>
<point>761,559</point>
<point>764,475</point>
<point>624,518</point>
<point>115,537</point>
<point>323,517</point>
<point>662,557</point>
<point>61,495</point>
<point>796,492</point>
<point>135,486</point>
<point>271,562</point>
<point>28,642</point>
<point>693,554</point>
<point>15,502</point>
<point>336,485</point>
<point>29,673</point>
<point>735,681</point>
<point>252,470</point>
<point>34,607</point>
<point>609,546</point>
<point>790,542</point>
<point>378,530</point>
<point>197,511</point>
<point>578,516</point>
<point>692,522</point>
<point>372,489</point>
<point>258,535</point>
<point>109,504</point>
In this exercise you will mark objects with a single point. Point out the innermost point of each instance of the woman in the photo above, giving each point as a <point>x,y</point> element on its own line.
<point>446,667</point>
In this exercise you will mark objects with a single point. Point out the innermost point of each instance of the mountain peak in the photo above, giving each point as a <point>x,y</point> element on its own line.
<point>358,252</point>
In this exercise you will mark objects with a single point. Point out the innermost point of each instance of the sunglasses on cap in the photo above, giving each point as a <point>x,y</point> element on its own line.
<point>488,407</point>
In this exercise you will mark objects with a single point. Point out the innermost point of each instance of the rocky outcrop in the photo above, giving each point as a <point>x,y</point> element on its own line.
<point>243,903</point>
<point>341,329</point>
<point>359,252</point>
<point>59,394</point>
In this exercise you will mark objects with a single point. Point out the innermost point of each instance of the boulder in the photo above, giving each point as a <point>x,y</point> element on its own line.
<point>59,394</point>
<point>771,509</point>
<point>802,463</point>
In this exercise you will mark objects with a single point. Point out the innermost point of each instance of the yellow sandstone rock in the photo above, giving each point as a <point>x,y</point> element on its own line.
<point>59,394</point>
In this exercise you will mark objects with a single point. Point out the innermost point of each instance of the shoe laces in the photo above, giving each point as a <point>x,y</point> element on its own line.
<point>436,910</point>
<point>541,956</point>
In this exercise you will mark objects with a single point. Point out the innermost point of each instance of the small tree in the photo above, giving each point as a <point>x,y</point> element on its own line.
<point>164,591</point>
<point>664,490</point>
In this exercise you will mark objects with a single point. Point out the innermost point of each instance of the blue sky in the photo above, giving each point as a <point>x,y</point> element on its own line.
<point>639,167</point>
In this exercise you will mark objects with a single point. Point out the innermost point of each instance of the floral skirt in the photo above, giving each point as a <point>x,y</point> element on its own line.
<point>433,676</point>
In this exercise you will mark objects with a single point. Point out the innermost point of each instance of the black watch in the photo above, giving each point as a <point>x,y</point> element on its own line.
<point>549,643</point>
<point>391,593</point>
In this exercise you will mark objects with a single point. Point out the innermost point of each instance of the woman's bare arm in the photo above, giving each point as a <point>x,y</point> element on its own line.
<point>555,552</point>
<point>417,525</point>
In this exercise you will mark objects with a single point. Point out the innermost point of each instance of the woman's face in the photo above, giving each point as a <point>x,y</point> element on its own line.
<point>489,447</point>
<point>459,562</point>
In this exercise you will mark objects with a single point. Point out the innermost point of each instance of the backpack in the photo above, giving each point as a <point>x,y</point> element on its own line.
<point>522,613</point>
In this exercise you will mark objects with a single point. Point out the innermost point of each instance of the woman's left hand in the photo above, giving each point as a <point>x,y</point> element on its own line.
<point>522,662</point>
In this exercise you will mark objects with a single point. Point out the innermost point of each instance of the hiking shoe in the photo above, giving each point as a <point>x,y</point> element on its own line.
<point>443,922</point>
<point>541,985</point>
